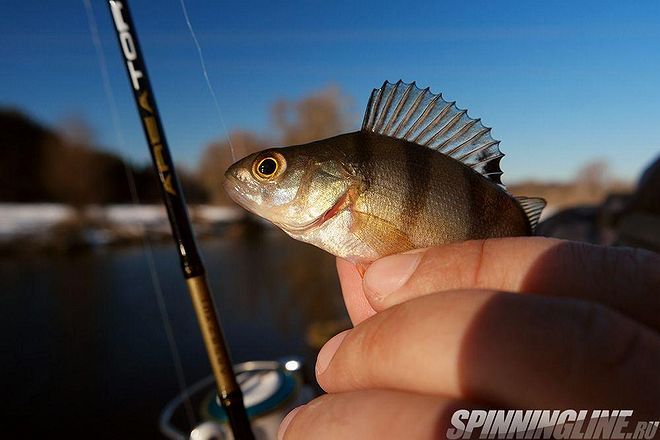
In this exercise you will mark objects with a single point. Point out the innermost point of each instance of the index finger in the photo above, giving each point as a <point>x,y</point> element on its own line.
<point>625,279</point>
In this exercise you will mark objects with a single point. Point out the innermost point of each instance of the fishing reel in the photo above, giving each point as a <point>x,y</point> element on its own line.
<point>270,389</point>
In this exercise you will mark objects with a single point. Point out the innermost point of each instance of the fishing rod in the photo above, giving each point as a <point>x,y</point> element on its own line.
<point>192,266</point>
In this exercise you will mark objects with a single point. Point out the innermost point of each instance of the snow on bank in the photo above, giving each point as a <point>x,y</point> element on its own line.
<point>217,214</point>
<point>29,219</point>
<point>129,215</point>
<point>19,219</point>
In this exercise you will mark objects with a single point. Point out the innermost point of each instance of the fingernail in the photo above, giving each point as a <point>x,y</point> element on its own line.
<point>287,421</point>
<point>328,352</point>
<point>388,274</point>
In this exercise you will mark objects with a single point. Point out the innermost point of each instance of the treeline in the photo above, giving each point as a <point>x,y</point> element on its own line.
<point>41,164</point>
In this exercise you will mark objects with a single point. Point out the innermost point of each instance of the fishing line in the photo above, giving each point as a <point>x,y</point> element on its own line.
<point>146,244</point>
<point>206,77</point>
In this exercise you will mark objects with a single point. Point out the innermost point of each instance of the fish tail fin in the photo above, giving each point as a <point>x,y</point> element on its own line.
<point>532,207</point>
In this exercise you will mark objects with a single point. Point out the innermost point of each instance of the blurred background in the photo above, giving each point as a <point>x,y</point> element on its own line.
<point>569,87</point>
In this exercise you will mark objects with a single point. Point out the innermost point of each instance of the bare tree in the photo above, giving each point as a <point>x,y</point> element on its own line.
<point>594,177</point>
<point>75,130</point>
<point>323,114</point>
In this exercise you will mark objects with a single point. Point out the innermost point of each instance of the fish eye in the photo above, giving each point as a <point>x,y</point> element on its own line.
<point>269,166</point>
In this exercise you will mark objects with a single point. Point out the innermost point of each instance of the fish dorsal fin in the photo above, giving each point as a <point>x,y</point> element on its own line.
<point>407,112</point>
<point>532,207</point>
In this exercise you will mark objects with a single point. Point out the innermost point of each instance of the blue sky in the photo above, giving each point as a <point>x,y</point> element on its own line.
<point>561,83</point>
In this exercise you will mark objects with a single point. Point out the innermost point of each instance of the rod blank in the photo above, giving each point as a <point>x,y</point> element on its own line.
<point>192,266</point>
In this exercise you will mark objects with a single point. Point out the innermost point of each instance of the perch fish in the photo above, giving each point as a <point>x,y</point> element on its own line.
<point>420,172</point>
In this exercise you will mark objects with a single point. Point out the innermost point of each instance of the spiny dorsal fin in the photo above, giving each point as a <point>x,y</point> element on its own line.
<point>407,112</point>
<point>532,207</point>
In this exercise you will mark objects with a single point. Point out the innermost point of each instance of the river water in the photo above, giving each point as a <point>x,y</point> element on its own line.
<point>83,347</point>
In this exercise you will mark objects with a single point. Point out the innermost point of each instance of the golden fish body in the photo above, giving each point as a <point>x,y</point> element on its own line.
<point>367,194</point>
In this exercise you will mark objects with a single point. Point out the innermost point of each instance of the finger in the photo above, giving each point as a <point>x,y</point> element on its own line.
<point>371,414</point>
<point>507,349</point>
<point>623,278</point>
<point>356,302</point>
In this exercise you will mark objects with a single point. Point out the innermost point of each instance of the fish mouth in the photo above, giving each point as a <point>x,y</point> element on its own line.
<point>233,190</point>
<point>342,203</point>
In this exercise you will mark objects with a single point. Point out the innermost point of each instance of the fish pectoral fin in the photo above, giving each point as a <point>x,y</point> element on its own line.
<point>379,234</point>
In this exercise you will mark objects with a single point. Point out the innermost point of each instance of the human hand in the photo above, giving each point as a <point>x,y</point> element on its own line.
<point>507,323</point>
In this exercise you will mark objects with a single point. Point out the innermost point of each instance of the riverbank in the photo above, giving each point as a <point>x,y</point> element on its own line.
<point>60,228</point>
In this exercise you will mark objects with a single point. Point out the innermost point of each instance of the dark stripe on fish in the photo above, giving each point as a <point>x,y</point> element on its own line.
<point>363,153</point>
<point>418,183</point>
